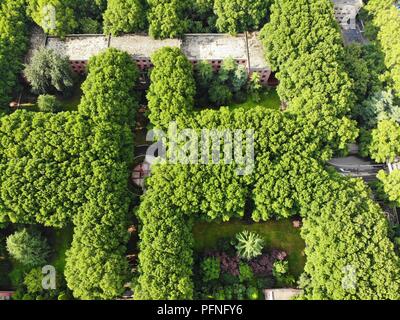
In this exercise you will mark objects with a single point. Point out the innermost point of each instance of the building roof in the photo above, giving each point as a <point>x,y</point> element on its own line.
<point>281,294</point>
<point>256,52</point>
<point>141,46</point>
<point>214,46</point>
<point>78,47</point>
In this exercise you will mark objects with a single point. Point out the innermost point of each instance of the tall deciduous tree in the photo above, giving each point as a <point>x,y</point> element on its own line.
<point>13,46</point>
<point>385,142</point>
<point>126,16</point>
<point>28,248</point>
<point>95,266</point>
<point>48,71</point>
<point>391,185</point>
<point>167,18</point>
<point>234,16</point>
<point>387,19</point>
<point>303,45</point>
<point>172,87</point>
<point>349,253</point>
<point>56,17</point>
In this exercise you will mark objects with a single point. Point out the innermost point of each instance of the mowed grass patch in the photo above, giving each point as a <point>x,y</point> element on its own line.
<point>276,234</point>
<point>269,100</point>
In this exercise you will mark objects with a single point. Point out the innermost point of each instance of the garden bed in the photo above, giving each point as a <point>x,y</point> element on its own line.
<point>276,234</point>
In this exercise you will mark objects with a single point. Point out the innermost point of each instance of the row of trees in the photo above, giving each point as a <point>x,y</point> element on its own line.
<point>387,19</point>
<point>162,19</point>
<point>55,168</point>
<point>380,112</point>
<point>13,46</point>
<point>340,217</point>
<point>166,249</point>
<point>96,267</point>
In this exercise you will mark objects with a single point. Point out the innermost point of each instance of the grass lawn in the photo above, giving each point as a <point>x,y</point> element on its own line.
<point>60,241</point>
<point>277,235</point>
<point>269,100</point>
<point>71,103</point>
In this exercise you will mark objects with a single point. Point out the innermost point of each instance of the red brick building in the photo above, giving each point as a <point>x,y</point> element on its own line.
<point>246,49</point>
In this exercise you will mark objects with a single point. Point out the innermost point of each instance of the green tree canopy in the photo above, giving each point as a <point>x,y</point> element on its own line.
<point>172,87</point>
<point>387,19</point>
<point>28,248</point>
<point>56,17</point>
<point>13,46</point>
<point>234,16</point>
<point>48,71</point>
<point>385,141</point>
<point>167,18</point>
<point>95,265</point>
<point>126,16</point>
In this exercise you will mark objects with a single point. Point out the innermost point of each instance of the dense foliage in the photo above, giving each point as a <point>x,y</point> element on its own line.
<point>165,252</point>
<point>75,166</point>
<point>386,18</point>
<point>48,71</point>
<point>305,48</point>
<point>385,142</point>
<point>125,16</point>
<point>60,18</point>
<point>234,16</point>
<point>28,248</point>
<point>215,89</point>
<point>391,185</point>
<point>349,253</point>
<point>43,178</point>
<point>56,17</point>
<point>13,46</point>
<point>167,18</point>
<point>172,88</point>
<point>95,266</point>
<point>342,226</point>
<point>380,106</point>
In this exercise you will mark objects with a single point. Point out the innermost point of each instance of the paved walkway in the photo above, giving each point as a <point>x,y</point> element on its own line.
<point>353,166</point>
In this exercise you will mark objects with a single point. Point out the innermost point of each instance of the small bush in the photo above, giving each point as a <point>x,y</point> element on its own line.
<point>211,269</point>
<point>48,103</point>
<point>246,274</point>
<point>249,245</point>
<point>253,293</point>
<point>63,296</point>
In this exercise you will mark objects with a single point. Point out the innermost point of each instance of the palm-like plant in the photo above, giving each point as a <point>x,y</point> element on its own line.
<point>249,245</point>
